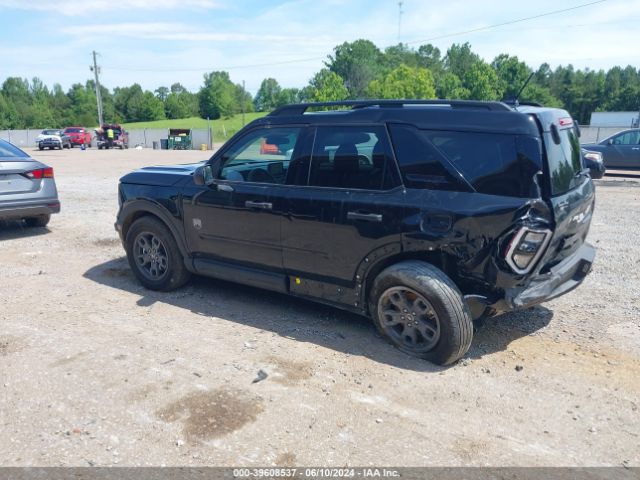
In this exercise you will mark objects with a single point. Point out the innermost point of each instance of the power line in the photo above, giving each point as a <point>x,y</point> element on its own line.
<point>510,22</point>
<point>313,59</point>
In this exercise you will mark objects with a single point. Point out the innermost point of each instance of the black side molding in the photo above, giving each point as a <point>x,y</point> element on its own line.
<point>254,277</point>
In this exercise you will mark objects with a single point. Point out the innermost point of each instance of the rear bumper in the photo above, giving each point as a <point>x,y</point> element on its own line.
<point>561,279</point>
<point>29,209</point>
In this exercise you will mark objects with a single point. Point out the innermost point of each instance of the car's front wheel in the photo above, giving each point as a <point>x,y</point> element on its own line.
<point>419,309</point>
<point>154,256</point>
<point>39,221</point>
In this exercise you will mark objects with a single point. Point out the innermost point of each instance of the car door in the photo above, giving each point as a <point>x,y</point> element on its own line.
<point>231,220</point>
<point>623,150</point>
<point>347,213</point>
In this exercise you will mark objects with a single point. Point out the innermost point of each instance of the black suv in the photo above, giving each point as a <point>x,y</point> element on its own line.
<point>423,215</point>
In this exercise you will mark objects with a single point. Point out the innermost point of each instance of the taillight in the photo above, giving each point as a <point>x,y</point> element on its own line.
<point>525,248</point>
<point>40,173</point>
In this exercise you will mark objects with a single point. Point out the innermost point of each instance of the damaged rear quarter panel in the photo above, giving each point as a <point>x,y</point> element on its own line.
<point>471,229</point>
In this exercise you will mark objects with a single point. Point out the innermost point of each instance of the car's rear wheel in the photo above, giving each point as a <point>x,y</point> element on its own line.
<point>419,309</point>
<point>40,147</point>
<point>39,221</point>
<point>154,256</point>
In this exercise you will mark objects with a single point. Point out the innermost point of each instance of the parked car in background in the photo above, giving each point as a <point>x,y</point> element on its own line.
<point>27,187</point>
<point>78,136</point>
<point>120,137</point>
<point>621,150</point>
<point>594,163</point>
<point>423,215</point>
<point>53,138</point>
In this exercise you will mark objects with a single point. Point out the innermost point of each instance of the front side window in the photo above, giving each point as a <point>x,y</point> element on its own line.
<point>261,156</point>
<point>628,138</point>
<point>352,157</point>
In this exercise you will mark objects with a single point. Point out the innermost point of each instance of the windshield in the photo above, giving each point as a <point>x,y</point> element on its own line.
<point>73,130</point>
<point>51,132</point>
<point>565,161</point>
<point>9,151</point>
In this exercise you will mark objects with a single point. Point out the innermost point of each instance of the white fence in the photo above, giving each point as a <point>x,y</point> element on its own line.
<point>147,136</point>
<point>144,137</point>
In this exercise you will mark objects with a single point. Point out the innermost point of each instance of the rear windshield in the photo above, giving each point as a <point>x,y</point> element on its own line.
<point>9,151</point>
<point>565,161</point>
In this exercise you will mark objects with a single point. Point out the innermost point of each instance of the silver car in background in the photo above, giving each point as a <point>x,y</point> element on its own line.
<point>27,188</point>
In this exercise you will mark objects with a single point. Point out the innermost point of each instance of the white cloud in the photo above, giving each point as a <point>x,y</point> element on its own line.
<point>87,7</point>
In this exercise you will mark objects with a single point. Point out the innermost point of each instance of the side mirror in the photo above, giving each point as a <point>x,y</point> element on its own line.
<point>203,175</point>
<point>610,141</point>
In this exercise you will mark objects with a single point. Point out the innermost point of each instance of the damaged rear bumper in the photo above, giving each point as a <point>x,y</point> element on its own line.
<point>560,279</point>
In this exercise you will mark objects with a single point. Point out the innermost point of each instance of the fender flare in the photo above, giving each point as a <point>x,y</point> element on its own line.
<point>130,209</point>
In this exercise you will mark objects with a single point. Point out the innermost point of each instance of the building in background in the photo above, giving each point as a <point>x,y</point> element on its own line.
<point>615,119</point>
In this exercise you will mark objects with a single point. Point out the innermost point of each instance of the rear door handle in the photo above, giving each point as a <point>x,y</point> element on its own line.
<point>259,205</point>
<point>223,187</point>
<point>635,148</point>
<point>366,217</point>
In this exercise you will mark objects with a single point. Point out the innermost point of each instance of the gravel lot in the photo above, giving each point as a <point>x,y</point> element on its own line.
<point>96,370</point>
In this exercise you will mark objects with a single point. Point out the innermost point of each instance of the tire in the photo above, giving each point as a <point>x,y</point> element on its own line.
<point>40,148</point>
<point>39,221</point>
<point>171,272</point>
<point>419,297</point>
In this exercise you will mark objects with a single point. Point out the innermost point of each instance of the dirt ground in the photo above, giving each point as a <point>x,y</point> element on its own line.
<point>96,370</point>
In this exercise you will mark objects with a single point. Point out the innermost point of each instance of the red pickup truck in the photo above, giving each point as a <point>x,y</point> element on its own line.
<point>79,136</point>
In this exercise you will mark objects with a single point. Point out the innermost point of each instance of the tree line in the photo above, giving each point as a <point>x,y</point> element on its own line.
<point>354,70</point>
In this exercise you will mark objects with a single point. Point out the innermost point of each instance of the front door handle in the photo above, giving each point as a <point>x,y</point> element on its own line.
<point>259,205</point>
<point>223,187</point>
<point>366,217</point>
<point>635,148</point>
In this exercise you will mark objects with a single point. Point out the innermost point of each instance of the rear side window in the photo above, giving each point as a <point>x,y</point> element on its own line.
<point>495,164</point>
<point>565,161</point>
<point>488,161</point>
<point>420,163</point>
<point>352,157</point>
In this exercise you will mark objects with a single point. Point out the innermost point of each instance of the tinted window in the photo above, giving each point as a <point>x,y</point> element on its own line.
<point>261,156</point>
<point>564,160</point>
<point>73,130</point>
<point>488,161</point>
<point>9,151</point>
<point>628,138</point>
<point>421,164</point>
<point>351,157</point>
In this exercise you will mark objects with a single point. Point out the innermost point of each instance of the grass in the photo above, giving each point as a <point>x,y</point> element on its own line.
<point>220,126</point>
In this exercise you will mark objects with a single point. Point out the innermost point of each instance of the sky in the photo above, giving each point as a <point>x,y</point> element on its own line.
<point>160,42</point>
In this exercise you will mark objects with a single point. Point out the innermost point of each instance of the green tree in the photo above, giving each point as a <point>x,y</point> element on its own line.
<point>482,82</point>
<point>459,59</point>
<point>327,86</point>
<point>511,73</point>
<point>268,95</point>
<point>289,95</point>
<point>217,97</point>
<point>162,93</point>
<point>356,63</point>
<point>450,86</point>
<point>404,82</point>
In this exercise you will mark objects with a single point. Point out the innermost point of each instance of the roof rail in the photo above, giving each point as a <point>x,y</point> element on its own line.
<point>300,108</point>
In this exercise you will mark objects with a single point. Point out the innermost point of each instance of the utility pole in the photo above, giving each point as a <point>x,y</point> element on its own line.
<point>242,103</point>
<point>96,71</point>
<point>400,12</point>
